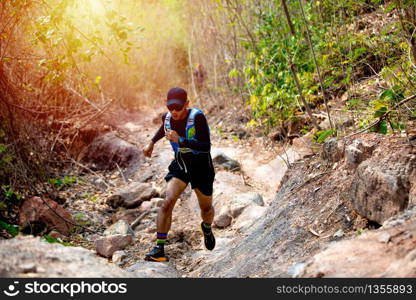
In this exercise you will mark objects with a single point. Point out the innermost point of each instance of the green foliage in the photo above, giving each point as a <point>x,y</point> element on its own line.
<point>49,239</point>
<point>321,136</point>
<point>347,49</point>
<point>269,81</point>
<point>92,198</point>
<point>10,194</point>
<point>64,182</point>
<point>11,229</point>
<point>82,219</point>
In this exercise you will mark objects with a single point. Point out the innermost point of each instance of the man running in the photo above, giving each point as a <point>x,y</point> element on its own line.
<point>188,132</point>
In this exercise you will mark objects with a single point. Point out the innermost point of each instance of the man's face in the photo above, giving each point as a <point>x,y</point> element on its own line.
<point>181,114</point>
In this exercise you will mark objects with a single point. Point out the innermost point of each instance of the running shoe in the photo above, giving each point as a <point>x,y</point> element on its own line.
<point>156,254</point>
<point>209,238</point>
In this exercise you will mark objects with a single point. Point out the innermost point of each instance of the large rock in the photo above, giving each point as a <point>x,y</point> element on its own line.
<point>239,202</point>
<point>386,252</point>
<point>332,150</point>
<point>106,246</point>
<point>107,151</point>
<point>223,161</point>
<point>121,227</point>
<point>47,212</point>
<point>52,260</point>
<point>223,218</point>
<point>132,195</point>
<point>381,184</point>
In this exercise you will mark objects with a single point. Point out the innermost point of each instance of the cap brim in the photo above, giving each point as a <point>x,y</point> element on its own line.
<point>175,101</point>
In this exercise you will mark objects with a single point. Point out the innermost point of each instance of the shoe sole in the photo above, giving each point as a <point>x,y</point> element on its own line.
<point>156,259</point>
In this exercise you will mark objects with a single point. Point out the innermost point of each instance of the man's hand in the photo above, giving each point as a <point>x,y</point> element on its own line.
<point>172,136</point>
<point>147,151</point>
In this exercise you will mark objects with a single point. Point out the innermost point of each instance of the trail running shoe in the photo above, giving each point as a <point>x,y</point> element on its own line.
<point>156,254</point>
<point>209,238</point>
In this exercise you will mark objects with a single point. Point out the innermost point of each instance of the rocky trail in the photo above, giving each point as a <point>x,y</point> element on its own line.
<point>280,212</point>
<point>248,173</point>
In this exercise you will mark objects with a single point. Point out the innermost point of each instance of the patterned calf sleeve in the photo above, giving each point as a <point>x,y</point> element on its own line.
<point>161,239</point>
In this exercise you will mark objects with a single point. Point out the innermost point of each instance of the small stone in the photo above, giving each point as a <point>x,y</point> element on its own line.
<point>28,268</point>
<point>145,206</point>
<point>118,256</point>
<point>339,233</point>
<point>158,202</point>
<point>384,237</point>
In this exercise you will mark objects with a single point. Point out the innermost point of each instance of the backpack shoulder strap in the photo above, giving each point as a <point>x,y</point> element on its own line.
<point>191,117</point>
<point>167,121</point>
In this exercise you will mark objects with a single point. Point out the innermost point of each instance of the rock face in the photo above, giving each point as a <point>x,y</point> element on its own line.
<point>27,256</point>
<point>381,185</point>
<point>108,150</point>
<point>386,252</point>
<point>45,211</point>
<point>316,205</point>
<point>147,269</point>
<point>274,236</point>
<point>132,195</point>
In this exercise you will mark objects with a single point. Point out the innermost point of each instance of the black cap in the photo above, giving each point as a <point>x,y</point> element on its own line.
<point>176,96</point>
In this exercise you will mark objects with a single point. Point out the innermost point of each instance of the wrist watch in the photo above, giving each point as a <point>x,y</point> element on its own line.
<point>181,139</point>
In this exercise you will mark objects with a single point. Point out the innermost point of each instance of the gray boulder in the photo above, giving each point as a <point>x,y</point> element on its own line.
<point>223,161</point>
<point>121,227</point>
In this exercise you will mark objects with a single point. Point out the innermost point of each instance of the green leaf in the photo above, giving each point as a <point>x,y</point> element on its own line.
<point>392,95</point>
<point>52,240</point>
<point>383,127</point>
<point>390,7</point>
<point>380,112</point>
<point>323,135</point>
<point>398,125</point>
<point>12,229</point>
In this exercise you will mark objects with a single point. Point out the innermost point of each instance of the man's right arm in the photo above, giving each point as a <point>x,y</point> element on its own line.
<point>159,134</point>
<point>147,151</point>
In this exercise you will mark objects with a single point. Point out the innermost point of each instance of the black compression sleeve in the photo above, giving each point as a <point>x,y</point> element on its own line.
<point>159,134</point>
<point>161,131</point>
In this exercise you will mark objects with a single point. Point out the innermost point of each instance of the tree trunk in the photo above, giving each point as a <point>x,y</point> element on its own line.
<point>316,65</point>
<point>293,68</point>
